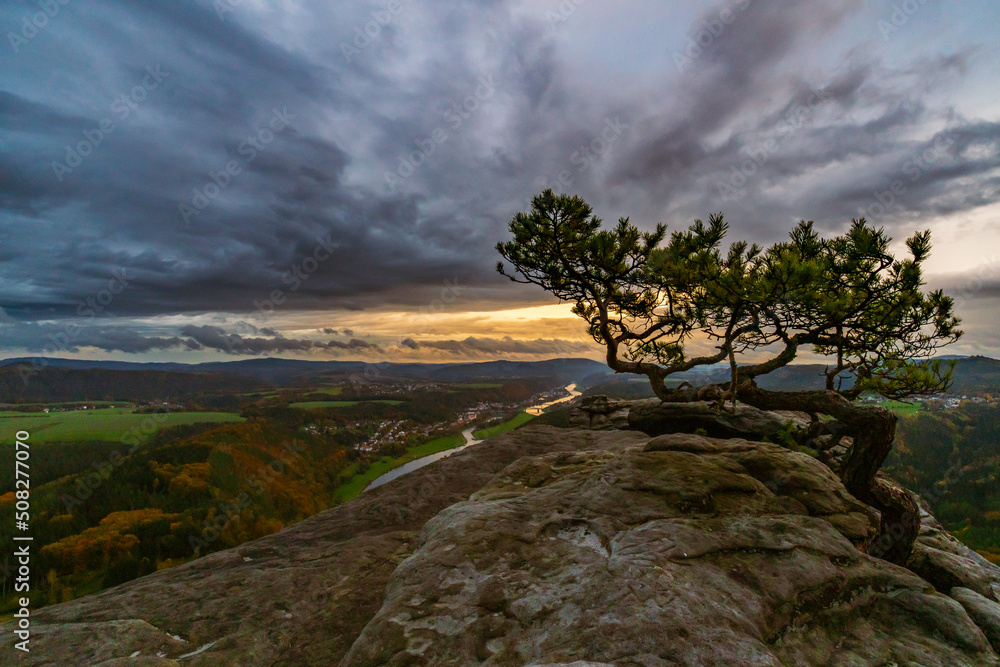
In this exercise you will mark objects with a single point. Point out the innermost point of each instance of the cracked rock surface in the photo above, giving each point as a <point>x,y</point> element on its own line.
<point>685,550</point>
<point>299,597</point>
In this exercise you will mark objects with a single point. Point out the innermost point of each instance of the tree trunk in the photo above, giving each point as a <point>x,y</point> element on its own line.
<point>873,434</point>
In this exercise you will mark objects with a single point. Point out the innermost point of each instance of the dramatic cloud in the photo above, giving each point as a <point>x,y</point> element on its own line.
<point>162,164</point>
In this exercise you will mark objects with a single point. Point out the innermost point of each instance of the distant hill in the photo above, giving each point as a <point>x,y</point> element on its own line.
<point>976,375</point>
<point>28,384</point>
<point>973,375</point>
<point>285,371</point>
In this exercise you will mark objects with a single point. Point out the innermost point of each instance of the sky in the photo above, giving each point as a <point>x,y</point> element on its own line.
<point>188,180</point>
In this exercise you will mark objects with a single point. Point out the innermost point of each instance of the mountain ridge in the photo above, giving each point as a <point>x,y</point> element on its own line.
<point>283,371</point>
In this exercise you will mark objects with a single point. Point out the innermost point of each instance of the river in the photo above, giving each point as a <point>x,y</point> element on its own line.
<point>540,408</point>
<point>424,460</point>
<point>416,464</point>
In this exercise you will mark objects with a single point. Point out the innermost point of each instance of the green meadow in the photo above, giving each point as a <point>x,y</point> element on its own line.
<point>902,409</point>
<point>358,482</point>
<point>510,425</point>
<point>100,424</point>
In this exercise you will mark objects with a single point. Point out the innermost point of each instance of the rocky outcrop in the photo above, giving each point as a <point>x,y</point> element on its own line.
<point>946,563</point>
<point>600,413</point>
<point>686,550</point>
<point>984,612</point>
<point>655,417</point>
<point>549,546</point>
<point>298,597</point>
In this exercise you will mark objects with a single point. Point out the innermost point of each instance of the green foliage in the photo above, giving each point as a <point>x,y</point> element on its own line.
<point>521,419</point>
<point>363,474</point>
<point>952,459</point>
<point>646,297</point>
<point>120,513</point>
<point>101,424</point>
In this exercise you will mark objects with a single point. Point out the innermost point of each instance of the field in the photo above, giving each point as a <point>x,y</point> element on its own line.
<point>101,424</point>
<point>521,418</point>
<point>358,483</point>
<point>902,409</point>
<point>309,405</point>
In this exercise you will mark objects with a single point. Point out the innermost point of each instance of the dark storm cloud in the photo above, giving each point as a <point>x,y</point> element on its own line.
<point>279,147</point>
<point>216,338</point>
<point>51,339</point>
<point>56,338</point>
<point>353,344</point>
<point>210,115</point>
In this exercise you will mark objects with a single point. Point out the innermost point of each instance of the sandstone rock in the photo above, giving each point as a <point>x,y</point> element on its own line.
<point>684,551</point>
<point>600,413</point>
<point>945,562</point>
<point>654,417</point>
<point>984,612</point>
<point>298,597</point>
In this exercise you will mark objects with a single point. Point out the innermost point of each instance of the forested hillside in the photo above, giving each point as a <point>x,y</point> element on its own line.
<point>952,458</point>
<point>102,515</point>
<point>24,383</point>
